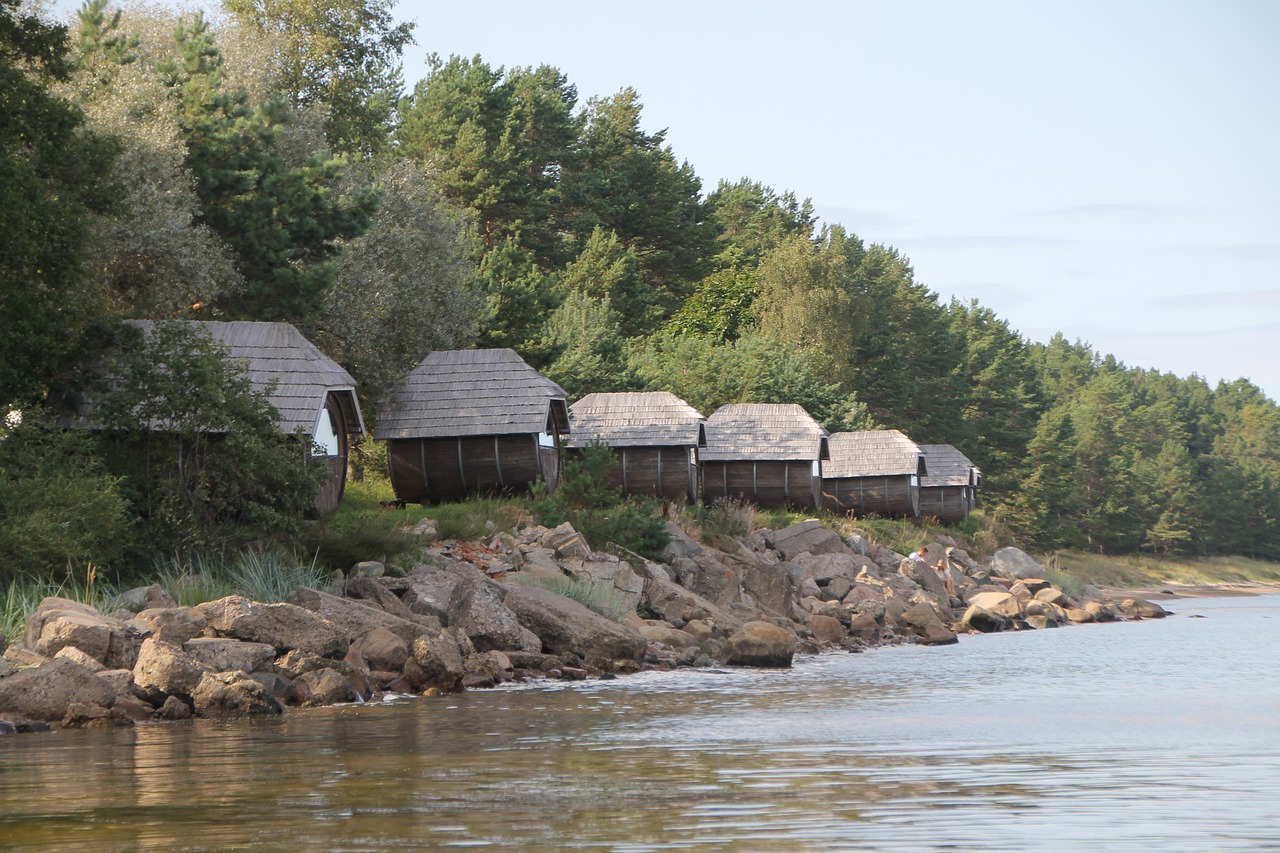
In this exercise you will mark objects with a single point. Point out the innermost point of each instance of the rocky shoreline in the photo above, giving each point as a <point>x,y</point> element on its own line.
<point>471,615</point>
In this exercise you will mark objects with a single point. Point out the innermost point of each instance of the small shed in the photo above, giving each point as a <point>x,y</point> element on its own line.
<point>312,394</point>
<point>472,421</point>
<point>654,434</point>
<point>767,453</point>
<point>873,472</point>
<point>950,490</point>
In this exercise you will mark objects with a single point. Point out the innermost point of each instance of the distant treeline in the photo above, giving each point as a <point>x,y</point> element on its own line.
<point>275,168</point>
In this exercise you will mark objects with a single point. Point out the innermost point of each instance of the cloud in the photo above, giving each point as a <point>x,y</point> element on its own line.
<point>1127,212</point>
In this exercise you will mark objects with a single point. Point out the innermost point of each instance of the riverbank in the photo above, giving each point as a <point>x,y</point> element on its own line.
<point>540,604</point>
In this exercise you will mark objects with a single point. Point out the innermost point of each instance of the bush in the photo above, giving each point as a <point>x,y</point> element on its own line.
<point>59,508</point>
<point>724,520</point>
<point>266,576</point>
<point>586,500</point>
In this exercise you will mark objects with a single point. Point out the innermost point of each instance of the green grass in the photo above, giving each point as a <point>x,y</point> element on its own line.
<point>265,576</point>
<point>1147,570</point>
<point>23,596</point>
<point>603,600</point>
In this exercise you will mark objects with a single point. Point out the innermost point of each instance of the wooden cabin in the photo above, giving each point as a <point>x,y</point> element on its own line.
<point>472,422</point>
<point>950,489</point>
<point>312,394</point>
<point>654,435</point>
<point>769,454</point>
<point>873,472</point>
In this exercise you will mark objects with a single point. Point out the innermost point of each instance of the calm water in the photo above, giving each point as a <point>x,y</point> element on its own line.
<point>1153,736</point>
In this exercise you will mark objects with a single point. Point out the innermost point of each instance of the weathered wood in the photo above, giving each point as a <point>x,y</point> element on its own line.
<point>766,483</point>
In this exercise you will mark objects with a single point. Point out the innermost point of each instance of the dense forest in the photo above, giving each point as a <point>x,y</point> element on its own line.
<point>275,167</point>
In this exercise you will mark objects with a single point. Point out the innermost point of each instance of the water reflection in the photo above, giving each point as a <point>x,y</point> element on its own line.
<point>1160,736</point>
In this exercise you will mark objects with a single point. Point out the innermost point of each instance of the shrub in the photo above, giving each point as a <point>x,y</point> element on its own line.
<point>266,576</point>
<point>723,520</point>
<point>59,508</point>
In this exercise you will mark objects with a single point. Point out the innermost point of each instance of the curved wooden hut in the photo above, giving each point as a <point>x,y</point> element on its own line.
<point>472,421</point>
<point>769,454</point>
<point>654,434</point>
<point>312,394</point>
<point>950,490</point>
<point>873,472</point>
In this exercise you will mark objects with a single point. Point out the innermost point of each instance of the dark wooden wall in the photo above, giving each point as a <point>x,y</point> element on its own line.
<point>948,504</point>
<point>888,497</point>
<point>427,470</point>
<point>663,472</point>
<point>769,484</point>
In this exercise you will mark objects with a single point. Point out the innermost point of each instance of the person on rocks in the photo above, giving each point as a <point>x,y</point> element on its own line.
<point>918,556</point>
<point>943,568</point>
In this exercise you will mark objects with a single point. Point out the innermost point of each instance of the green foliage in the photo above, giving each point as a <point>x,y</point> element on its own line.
<point>339,55</point>
<point>54,175</point>
<point>724,520</point>
<point>60,510</point>
<point>281,222</point>
<point>583,339</point>
<point>753,219</point>
<point>266,576</point>
<point>595,508</point>
<point>596,597</point>
<point>196,448</point>
<point>23,594</point>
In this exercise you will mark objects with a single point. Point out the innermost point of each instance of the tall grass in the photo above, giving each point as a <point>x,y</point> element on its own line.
<point>23,596</point>
<point>601,599</point>
<point>265,576</point>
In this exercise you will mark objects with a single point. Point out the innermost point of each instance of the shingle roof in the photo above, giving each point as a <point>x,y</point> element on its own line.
<point>277,353</point>
<point>472,392</point>
<point>872,453</point>
<point>763,431</point>
<point>947,467</point>
<point>636,419</point>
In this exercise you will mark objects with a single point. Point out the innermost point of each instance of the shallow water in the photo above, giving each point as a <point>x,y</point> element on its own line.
<point>1155,736</point>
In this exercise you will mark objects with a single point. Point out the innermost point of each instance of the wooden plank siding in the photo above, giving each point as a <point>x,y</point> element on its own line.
<point>763,482</point>
<point>767,453</point>
<point>873,472</point>
<point>468,422</point>
<point>889,497</point>
<point>654,435</point>
<point>950,490</point>
<point>948,504</point>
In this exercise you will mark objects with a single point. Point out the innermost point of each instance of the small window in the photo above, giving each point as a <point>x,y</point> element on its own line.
<point>326,437</point>
<point>546,439</point>
<point>915,481</point>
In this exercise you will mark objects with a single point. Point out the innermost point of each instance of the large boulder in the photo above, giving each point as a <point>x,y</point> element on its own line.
<point>375,593</point>
<point>926,577</point>
<point>166,669</point>
<point>60,622</point>
<point>476,608</point>
<point>760,644</point>
<point>807,536</point>
<point>141,598</point>
<point>172,624</point>
<point>233,694</point>
<point>1000,603</point>
<point>46,692</point>
<point>605,571</point>
<point>706,575</point>
<point>925,623</point>
<point>284,626</point>
<point>564,625</point>
<point>677,605</point>
<point>436,661</point>
<point>355,618</point>
<point>1016,564</point>
<point>825,568</point>
<point>223,655</point>
<point>325,686</point>
<point>667,635</point>
<point>383,650</point>
<point>826,629</point>
<point>981,619</point>
<point>1140,608</point>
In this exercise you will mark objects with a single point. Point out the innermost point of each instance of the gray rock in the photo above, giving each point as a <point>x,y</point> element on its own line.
<point>1000,603</point>
<point>74,654</point>
<point>171,624</point>
<point>233,694</point>
<point>981,619</point>
<point>47,691</point>
<point>1016,564</point>
<point>612,574</point>
<point>373,592</point>
<point>141,598</point>
<point>367,569</point>
<point>383,650</point>
<point>671,602</point>
<point>166,669</point>
<point>826,629</point>
<point>60,622</point>
<point>760,644</point>
<point>323,687</point>
<point>807,536</point>
<point>284,626</point>
<point>439,661</point>
<point>222,655</point>
<point>1142,609</point>
<point>353,618</point>
<point>564,625</point>
<point>476,608</point>
<point>667,635</point>
<point>565,542</point>
<point>858,544</point>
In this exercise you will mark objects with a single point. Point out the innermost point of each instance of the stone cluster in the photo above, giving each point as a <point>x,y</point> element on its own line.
<point>473,615</point>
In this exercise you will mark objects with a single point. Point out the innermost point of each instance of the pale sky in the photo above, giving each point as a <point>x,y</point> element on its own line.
<point>1110,170</point>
